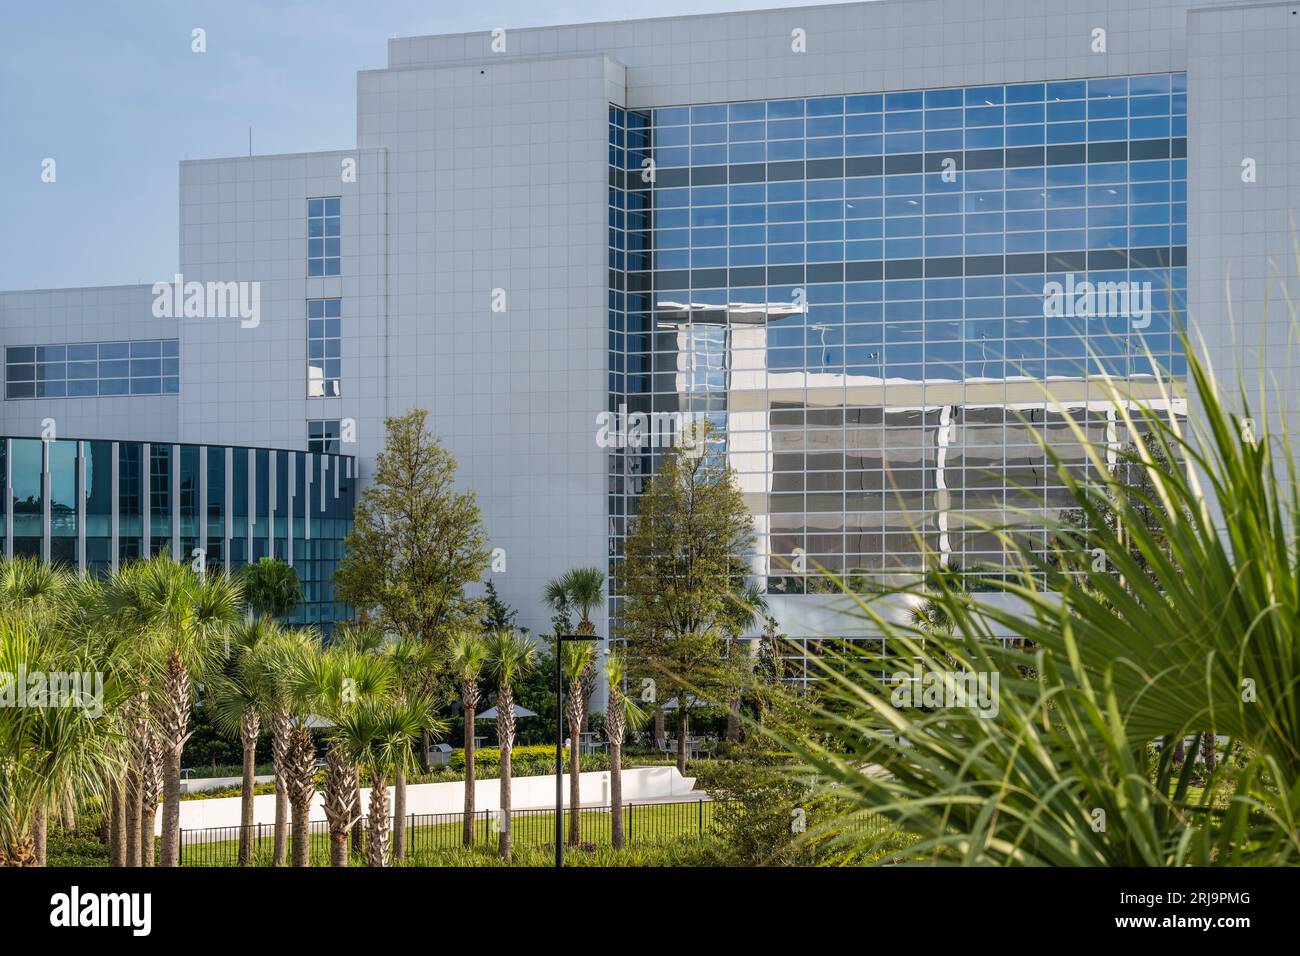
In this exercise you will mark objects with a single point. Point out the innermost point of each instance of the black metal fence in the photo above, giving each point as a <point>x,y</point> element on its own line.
<point>643,823</point>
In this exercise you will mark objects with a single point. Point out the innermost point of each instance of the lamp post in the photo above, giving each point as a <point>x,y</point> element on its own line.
<point>559,742</point>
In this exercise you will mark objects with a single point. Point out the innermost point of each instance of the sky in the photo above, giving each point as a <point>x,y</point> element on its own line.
<point>111,91</point>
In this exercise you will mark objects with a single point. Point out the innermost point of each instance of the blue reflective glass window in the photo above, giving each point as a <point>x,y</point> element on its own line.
<point>914,100</point>
<point>1067,90</point>
<point>869,103</point>
<point>1026,135</point>
<point>323,232</point>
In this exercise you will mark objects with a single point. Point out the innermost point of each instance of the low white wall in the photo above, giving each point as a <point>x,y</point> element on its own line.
<point>199,784</point>
<point>640,783</point>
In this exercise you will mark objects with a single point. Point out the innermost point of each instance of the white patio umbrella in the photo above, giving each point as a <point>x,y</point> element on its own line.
<point>491,714</point>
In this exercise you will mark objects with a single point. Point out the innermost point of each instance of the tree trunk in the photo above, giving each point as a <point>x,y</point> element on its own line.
<point>1208,743</point>
<point>469,704</point>
<point>342,805</point>
<point>172,724</point>
<point>280,731</point>
<point>171,819</point>
<point>358,833</point>
<point>377,844</point>
<point>150,787</point>
<point>616,793</point>
<point>681,739</point>
<point>145,835</point>
<point>139,737</point>
<point>424,750</point>
<point>338,848</point>
<point>733,720</point>
<point>506,735</point>
<point>116,826</point>
<point>1180,749</point>
<point>69,819</point>
<point>660,725</point>
<point>40,834</point>
<point>248,737</point>
<point>300,772</point>
<point>301,833</point>
<point>399,817</point>
<point>573,706</point>
<point>134,796</point>
<point>22,853</point>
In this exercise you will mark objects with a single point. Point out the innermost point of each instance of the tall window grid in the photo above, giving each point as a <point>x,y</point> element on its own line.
<point>323,236</point>
<point>324,346</point>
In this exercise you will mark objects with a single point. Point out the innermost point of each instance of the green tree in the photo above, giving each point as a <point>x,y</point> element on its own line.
<point>416,543</point>
<point>622,715</point>
<point>495,613</point>
<point>184,621</point>
<point>243,697</point>
<point>683,567</point>
<point>577,660</point>
<point>282,650</point>
<point>379,733</point>
<point>468,656</point>
<point>73,744</point>
<point>271,587</point>
<point>748,607</point>
<point>414,666</point>
<point>509,657</point>
<point>333,685</point>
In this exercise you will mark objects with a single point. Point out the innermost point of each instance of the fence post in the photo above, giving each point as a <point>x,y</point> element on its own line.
<point>700,804</point>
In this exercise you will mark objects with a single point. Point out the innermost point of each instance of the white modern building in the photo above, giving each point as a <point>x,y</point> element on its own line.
<point>830,229</point>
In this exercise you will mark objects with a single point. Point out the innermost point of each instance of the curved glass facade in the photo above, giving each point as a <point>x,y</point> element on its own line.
<point>879,298</point>
<point>94,505</point>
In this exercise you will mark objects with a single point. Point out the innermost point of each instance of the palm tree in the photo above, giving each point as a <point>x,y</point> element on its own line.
<point>89,614</point>
<point>622,713</point>
<point>183,620</point>
<point>509,657</point>
<point>34,592</point>
<point>332,685</point>
<point>362,637</point>
<point>380,734</point>
<point>63,743</point>
<point>281,649</point>
<point>415,663</point>
<point>578,659</point>
<point>271,587</point>
<point>299,771</point>
<point>243,696</point>
<point>468,655</point>
<point>582,589</point>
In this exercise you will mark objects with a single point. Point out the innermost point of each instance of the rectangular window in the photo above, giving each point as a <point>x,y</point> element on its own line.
<point>89,370</point>
<point>323,436</point>
<point>323,236</point>
<point>323,347</point>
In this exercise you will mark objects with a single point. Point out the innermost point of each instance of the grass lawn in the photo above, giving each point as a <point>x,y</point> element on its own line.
<point>437,842</point>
